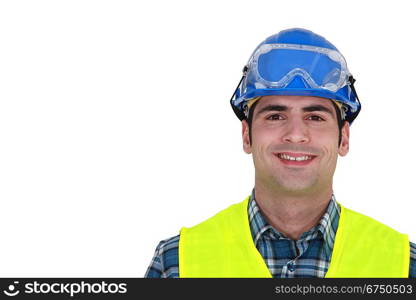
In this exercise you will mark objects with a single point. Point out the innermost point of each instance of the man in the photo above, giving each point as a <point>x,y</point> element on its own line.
<point>296,101</point>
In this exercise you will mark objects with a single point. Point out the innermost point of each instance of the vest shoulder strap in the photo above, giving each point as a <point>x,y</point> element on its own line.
<point>221,246</point>
<point>364,247</point>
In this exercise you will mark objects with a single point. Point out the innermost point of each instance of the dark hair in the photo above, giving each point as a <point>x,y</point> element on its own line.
<point>340,121</point>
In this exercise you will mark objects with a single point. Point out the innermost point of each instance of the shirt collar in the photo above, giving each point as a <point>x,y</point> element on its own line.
<point>325,229</point>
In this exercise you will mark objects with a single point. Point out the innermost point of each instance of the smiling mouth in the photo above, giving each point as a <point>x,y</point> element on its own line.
<point>296,159</point>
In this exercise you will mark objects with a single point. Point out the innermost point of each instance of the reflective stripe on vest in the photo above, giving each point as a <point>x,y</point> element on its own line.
<point>222,246</point>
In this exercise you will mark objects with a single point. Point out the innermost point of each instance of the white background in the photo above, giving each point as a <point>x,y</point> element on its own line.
<point>116,128</point>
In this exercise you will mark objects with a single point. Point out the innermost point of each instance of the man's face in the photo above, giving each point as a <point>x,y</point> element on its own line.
<point>295,142</point>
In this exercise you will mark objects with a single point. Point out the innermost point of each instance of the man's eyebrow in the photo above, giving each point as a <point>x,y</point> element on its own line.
<point>317,107</point>
<point>271,107</point>
<point>311,108</point>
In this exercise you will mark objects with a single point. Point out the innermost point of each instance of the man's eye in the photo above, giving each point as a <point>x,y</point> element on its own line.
<point>316,118</point>
<point>275,117</point>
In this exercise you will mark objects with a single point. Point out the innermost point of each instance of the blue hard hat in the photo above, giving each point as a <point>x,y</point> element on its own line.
<point>297,62</point>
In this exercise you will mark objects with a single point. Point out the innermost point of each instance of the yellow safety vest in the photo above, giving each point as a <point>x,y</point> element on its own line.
<point>222,246</point>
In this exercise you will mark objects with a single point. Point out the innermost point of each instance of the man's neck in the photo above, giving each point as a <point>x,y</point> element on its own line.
<point>292,214</point>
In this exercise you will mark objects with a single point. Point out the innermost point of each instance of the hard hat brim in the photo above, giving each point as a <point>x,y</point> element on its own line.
<point>303,92</point>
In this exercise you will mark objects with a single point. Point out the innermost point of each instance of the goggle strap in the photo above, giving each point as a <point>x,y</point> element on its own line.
<point>239,113</point>
<point>351,81</point>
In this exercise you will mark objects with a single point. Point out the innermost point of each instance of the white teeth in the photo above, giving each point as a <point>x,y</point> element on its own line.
<point>300,158</point>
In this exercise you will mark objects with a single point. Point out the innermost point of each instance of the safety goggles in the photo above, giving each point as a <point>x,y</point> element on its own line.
<point>275,66</point>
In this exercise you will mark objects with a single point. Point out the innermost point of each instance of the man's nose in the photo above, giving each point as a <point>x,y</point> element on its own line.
<point>296,132</point>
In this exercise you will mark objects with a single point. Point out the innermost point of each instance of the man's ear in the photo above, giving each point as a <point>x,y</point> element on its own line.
<point>246,137</point>
<point>345,139</point>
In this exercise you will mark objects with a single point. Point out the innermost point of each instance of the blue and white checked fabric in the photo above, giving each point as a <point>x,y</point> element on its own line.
<point>307,257</point>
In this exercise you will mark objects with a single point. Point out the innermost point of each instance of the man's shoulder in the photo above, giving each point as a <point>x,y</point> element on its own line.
<point>165,262</point>
<point>413,250</point>
<point>168,244</point>
<point>412,260</point>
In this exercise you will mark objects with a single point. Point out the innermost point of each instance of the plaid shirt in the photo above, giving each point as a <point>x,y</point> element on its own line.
<point>307,257</point>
